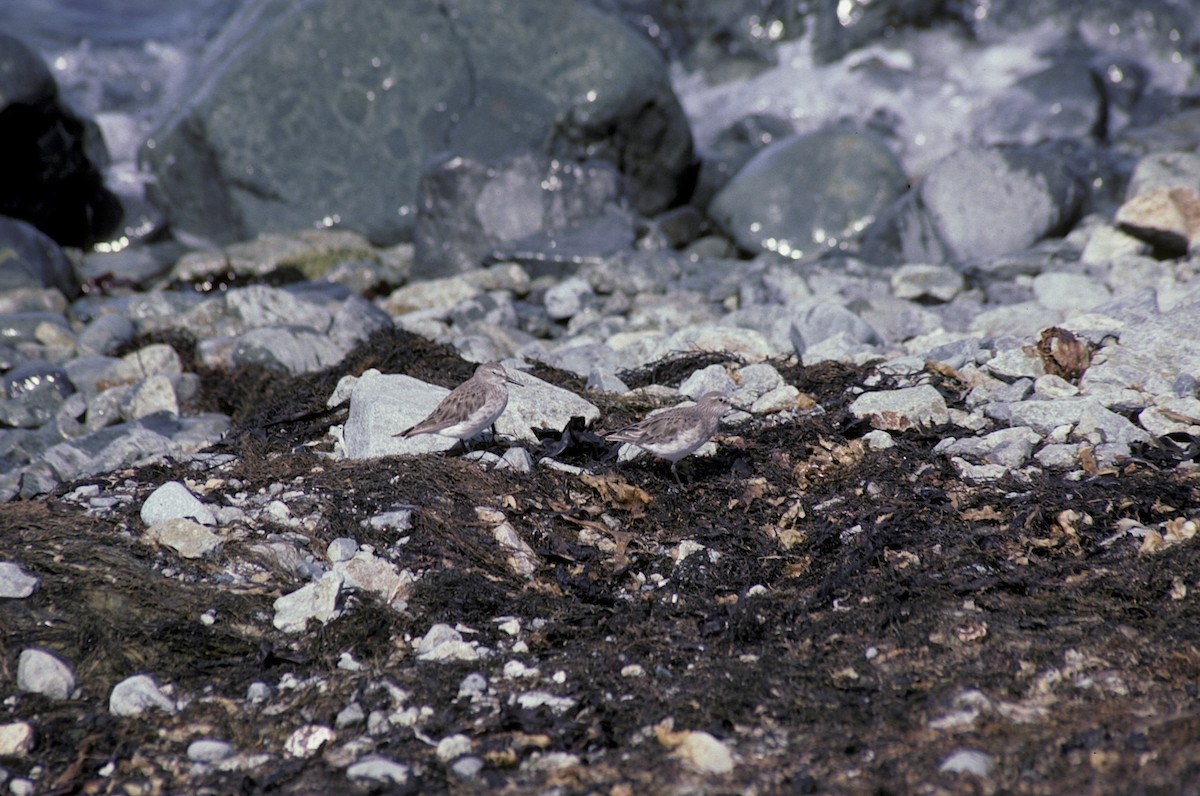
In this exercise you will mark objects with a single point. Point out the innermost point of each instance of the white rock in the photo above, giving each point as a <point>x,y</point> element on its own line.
<point>453,746</point>
<point>382,405</point>
<point>341,549</point>
<point>747,343</point>
<point>263,305</point>
<point>779,399</point>
<point>208,750</point>
<point>444,643</point>
<point>879,440</point>
<point>173,500</point>
<point>567,298</point>
<point>16,583</point>
<point>379,769</point>
<point>341,393</point>
<point>531,700</point>
<point>429,294</point>
<point>316,600</point>
<point>16,739</point>
<point>968,761</point>
<point>307,740</point>
<point>516,459</point>
<point>135,695</point>
<point>366,571</point>
<point>704,753</point>
<point>522,559</point>
<point>41,672</point>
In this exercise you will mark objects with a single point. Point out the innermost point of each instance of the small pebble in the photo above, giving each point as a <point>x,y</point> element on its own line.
<point>138,694</point>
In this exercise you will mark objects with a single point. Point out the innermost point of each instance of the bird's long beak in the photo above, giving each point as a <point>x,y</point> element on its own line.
<point>511,380</point>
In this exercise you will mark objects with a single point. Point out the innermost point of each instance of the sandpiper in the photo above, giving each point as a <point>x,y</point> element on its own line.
<point>470,408</point>
<point>677,432</point>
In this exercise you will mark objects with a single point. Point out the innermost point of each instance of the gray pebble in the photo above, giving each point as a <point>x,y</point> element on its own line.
<point>209,750</point>
<point>138,694</point>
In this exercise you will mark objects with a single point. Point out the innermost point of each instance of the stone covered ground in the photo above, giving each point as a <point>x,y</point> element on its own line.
<point>847,620</point>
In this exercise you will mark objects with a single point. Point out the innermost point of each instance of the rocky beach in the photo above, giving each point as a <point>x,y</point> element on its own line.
<point>938,259</point>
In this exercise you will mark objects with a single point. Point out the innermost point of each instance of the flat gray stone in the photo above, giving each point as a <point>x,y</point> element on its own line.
<point>1069,293</point>
<point>817,320</point>
<point>1150,356</point>
<point>381,405</point>
<point>262,305</point>
<point>896,410</point>
<point>186,537</point>
<point>1008,447</point>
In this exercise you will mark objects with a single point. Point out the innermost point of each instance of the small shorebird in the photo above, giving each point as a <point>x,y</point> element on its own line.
<point>677,432</point>
<point>470,407</point>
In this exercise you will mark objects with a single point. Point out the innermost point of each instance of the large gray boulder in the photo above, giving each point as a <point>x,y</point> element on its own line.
<point>307,112</point>
<point>809,193</point>
<point>975,204</point>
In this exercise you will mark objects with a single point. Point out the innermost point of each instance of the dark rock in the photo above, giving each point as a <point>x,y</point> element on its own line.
<point>1061,101</point>
<point>842,27</point>
<point>51,157</point>
<point>32,259</point>
<point>324,110</point>
<point>730,150</point>
<point>977,203</point>
<point>523,207</point>
<point>810,193</point>
<point>723,40</point>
